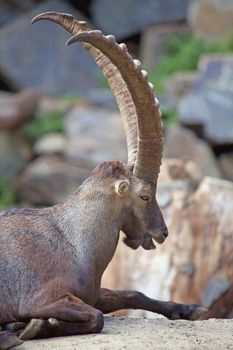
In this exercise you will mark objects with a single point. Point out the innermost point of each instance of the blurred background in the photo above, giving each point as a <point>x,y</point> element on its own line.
<point>58,119</point>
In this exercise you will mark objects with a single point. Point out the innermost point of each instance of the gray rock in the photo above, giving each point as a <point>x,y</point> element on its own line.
<point>102,98</point>
<point>210,102</point>
<point>51,143</point>
<point>153,39</point>
<point>174,170</point>
<point>126,17</point>
<point>226,165</point>
<point>5,13</point>
<point>17,109</point>
<point>187,268</point>
<point>95,134</point>
<point>182,143</point>
<point>13,8</point>
<point>216,287</point>
<point>50,179</point>
<point>14,153</point>
<point>211,19</point>
<point>179,84</point>
<point>36,55</point>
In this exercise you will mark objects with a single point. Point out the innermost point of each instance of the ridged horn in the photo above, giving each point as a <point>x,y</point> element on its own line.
<point>111,73</point>
<point>150,137</point>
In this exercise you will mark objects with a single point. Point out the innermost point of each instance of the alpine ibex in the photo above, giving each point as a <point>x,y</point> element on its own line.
<point>52,259</point>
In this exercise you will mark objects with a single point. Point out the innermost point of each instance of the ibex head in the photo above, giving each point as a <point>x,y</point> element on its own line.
<point>134,184</point>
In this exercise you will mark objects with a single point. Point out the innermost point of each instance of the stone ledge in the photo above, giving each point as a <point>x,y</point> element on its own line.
<point>150,334</point>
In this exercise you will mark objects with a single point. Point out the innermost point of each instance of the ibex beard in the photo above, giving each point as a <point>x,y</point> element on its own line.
<point>52,259</point>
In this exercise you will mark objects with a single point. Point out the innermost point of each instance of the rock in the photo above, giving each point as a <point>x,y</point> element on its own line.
<point>179,84</point>
<point>16,109</point>
<point>102,98</point>
<point>6,12</point>
<point>14,153</point>
<point>215,289</point>
<point>194,265</point>
<point>42,60</point>
<point>153,39</point>
<point>62,104</point>
<point>182,143</point>
<point>51,143</point>
<point>180,170</point>
<point>95,134</point>
<point>50,179</point>
<point>211,19</point>
<point>124,19</point>
<point>211,238</point>
<point>210,102</point>
<point>140,334</point>
<point>226,165</point>
<point>12,8</point>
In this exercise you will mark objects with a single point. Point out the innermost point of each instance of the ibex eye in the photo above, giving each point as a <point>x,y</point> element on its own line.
<point>145,198</point>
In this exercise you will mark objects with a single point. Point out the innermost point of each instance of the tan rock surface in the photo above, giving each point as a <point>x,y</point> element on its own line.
<point>140,334</point>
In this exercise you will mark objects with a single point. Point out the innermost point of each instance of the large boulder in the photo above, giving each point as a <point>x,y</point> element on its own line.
<point>125,18</point>
<point>53,143</point>
<point>226,165</point>
<point>14,153</point>
<point>180,84</point>
<point>182,143</point>
<point>50,179</point>
<point>95,134</point>
<point>210,102</point>
<point>42,60</point>
<point>211,19</point>
<point>11,9</point>
<point>17,109</point>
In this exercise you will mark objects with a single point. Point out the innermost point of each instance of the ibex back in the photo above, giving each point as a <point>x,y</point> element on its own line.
<point>52,259</point>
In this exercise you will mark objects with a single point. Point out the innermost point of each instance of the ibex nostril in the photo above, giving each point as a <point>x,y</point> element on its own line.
<point>165,234</point>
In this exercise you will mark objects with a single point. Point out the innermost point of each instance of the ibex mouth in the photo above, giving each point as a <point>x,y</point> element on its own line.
<point>158,237</point>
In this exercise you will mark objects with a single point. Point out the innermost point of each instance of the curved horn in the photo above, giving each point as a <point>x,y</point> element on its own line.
<point>150,138</point>
<point>111,73</point>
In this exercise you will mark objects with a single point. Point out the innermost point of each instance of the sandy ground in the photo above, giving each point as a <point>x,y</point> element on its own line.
<point>145,334</point>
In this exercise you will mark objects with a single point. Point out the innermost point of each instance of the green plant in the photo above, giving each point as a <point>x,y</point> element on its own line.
<point>70,98</point>
<point>182,55</point>
<point>44,124</point>
<point>8,198</point>
<point>170,116</point>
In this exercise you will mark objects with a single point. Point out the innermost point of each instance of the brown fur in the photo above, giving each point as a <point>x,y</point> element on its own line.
<point>52,259</point>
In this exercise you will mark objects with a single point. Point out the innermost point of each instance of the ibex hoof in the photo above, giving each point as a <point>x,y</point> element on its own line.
<point>197,312</point>
<point>188,312</point>
<point>32,329</point>
<point>8,340</point>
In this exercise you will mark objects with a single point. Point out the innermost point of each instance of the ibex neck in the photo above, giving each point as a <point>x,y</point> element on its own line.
<point>92,227</point>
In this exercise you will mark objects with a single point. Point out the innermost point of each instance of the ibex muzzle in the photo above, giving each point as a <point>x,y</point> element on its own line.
<point>52,259</point>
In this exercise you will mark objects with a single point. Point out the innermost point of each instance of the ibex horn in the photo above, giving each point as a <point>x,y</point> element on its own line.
<point>150,137</point>
<point>111,73</point>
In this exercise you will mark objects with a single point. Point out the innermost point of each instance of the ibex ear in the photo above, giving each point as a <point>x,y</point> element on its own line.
<point>121,187</point>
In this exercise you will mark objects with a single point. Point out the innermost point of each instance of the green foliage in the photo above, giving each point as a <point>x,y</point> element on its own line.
<point>182,55</point>
<point>170,116</point>
<point>8,198</point>
<point>44,124</point>
<point>70,98</point>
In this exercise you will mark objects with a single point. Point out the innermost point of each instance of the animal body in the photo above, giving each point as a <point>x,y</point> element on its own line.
<point>52,259</point>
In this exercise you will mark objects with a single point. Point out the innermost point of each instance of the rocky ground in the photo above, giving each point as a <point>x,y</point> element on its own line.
<point>151,334</point>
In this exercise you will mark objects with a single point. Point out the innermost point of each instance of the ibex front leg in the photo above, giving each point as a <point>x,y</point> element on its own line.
<point>110,301</point>
<point>67,316</point>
